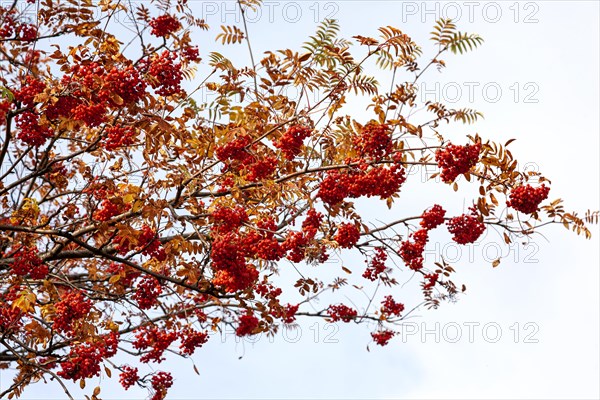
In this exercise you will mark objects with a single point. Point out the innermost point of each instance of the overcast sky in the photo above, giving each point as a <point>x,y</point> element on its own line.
<point>526,329</point>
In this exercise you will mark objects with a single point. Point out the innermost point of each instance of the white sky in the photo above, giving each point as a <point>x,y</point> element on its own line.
<point>549,296</point>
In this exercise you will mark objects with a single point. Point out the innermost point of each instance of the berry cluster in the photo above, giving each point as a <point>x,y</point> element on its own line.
<point>382,337</point>
<point>412,252</point>
<point>147,291</point>
<point>466,228</point>
<point>287,313</point>
<point>166,74</point>
<point>30,130</point>
<point>226,219</point>
<point>267,291</point>
<point>231,247</point>
<point>229,263</point>
<point>433,217</point>
<point>90,114</point>
<point>377,265</point>
<point>73,305</point>
<point>247,325</point>
<point>431,280</point>
<point>126,273</point>
<point>10,28</point>
<point>119,136</point>
<point>375,181</point>
<point>297,242</point>
<point>109,209</point>
<point>153,340</point>
<point>527,199</point>
<point>235,150</point>
<point>236,157</point>
<point>10,317</point>
<point>27,32</point>
<point>126,83</point>
<point>27,262</point>
<point>4,108</point>
<point>84,359</point>
<point>261,169</point>
<point>374,141</point>
<point>31,88</point>
<point>149,244</point>
<point>455,160</point>
<point>191,340</point>
<point>164,25</point>
<point>161,381</point>
<point>262,243</point>
<point>347,235</point>
<point>390,307</point>
<point>290,143</point>
<point>191,53</point>
<point>128,376</point>
<point>341,312</point>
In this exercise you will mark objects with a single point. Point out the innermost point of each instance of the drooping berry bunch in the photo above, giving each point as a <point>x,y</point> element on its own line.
<point>128,376</point>
<point>365,181</point>
<point>147,291</point>
<point>382,337</point>
<point>27,263</point>
<point>125,82</point>
<point>165,73</point>
<point>433,217</point>
<point>237,158</point>
<point>31,131</point>
<point>411,252</point>
<point>247,324</point>
<point>191,340</point>
<point>347,235</point>
<point>390,307</point>
<point>297,243</point>
<point>455,160</point>
<point>430,280</point>
<point>150,245</point>
<point>11,318</point>
<point>161,381</point>
<point>377,265</point>
<point>13,29</point>
<point>341,312</point>
<point>290,143</point>
<point>5,106</point>
<point>73,305</point>
<point>119,136</point>
<point>287,314</point>
<point>527,199</point>
<point>110,208</point>
<point>154,342</point>
<point>29,90</point>
<point>83,360</point>
<point>164,25</point>
<point>374,141</point>
<point>466,228</point>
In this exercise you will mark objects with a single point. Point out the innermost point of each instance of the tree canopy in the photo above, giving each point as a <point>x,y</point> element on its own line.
<point>137,219</point>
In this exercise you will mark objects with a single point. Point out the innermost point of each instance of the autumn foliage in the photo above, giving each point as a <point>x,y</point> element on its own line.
<point>137,220</point>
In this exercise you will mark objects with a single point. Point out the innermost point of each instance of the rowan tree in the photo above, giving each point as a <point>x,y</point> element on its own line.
<point>137,220</point>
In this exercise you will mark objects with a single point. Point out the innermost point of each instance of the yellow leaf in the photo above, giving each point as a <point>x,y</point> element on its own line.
<point>137,205</point>
<point>128,198</point>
